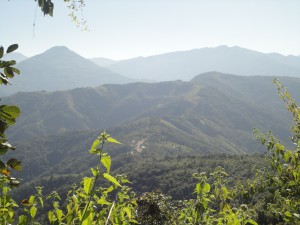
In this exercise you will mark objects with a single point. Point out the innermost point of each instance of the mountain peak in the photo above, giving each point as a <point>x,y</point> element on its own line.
<point>210,74</point>
<point>60,50</point>
<point>58,53</point>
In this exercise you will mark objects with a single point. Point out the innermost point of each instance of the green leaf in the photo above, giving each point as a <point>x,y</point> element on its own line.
<point>9,113</point>
<point>95,144</point>
<point>51,216</point>
<point>41,3</point>
<point>128,212</point>
<point>12,110</point>
<point>88,218</point>
<point>59,214</point>
<point>288,214</point>
<point>95,172</point>
<point>8,72</point>
<point>206,187</point>
<point>112,140</point>
<point>33,211</point>
<point>288,155</point>
<point>12,48</point>
<point>15,70</point>
<point>51,7</point>
<point>31,200</point>
<point>15,164</point>
<point>1,52</point>
<point>3,149</point>
<point>23,220</point>
<point>3,79</point>
<point>111,179</point>
<point>106,161</point>
<point>225,207</point>
<point>102,201</point>
<point>2,166</point>
<point>87,184</point>
<point>198,188</point>
<point>41,201</point>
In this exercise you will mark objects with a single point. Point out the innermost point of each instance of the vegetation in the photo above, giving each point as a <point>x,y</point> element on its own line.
<point>8,115</point>
<point>47,7</point>
<point>270,197</point>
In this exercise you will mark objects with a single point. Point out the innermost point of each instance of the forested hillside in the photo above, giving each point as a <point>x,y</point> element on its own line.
<point>165,122</point>
<point>211,103</point>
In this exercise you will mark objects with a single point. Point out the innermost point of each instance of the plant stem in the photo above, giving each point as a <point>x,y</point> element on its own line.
<point>93,187</point>
<point>109,213</point>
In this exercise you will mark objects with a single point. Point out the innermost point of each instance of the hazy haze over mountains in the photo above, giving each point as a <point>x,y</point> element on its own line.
<point>103,61</point>
<point>185,65</point>
<point>60,69</point>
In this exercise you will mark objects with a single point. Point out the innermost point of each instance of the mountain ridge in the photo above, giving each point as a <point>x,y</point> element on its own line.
<point>59,68</point>
<point>186,64</point>
<point>210,101</point>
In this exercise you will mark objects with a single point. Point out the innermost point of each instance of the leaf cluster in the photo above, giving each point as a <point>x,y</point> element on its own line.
<point>8,115</point>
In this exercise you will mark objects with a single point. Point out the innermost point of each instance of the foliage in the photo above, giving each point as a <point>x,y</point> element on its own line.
<point>89,203</point>
<point>47,7</point>
<point>272,197</point>
<point>213,205</point>
<point>8,115</point>
<point>282,183</point>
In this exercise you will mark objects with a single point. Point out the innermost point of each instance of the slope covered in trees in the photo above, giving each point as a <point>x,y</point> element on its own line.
<point>211,103</point>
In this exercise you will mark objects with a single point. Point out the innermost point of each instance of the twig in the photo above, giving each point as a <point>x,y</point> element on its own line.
<point>109,213</point>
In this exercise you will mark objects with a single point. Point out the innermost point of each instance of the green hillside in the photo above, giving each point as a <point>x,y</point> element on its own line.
<point>161,122</point>
<point>213,102</point>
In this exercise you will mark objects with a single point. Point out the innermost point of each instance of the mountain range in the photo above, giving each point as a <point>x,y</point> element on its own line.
<point>212,106</point>
<point>213,113</point>
<point>184,65</point>
<point>67,100</point>
<point>60,69</point>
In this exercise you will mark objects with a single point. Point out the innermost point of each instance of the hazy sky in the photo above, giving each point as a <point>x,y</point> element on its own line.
<point>122,29</point>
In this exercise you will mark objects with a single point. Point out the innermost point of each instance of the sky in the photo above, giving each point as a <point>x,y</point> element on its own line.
<point>122,29</point>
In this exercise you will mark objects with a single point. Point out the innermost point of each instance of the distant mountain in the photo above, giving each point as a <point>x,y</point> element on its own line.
<point>103,62</point>
<point>60,69</point>
<point>18,57</point>
<point>288,60</point>
<point>185,65</point>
